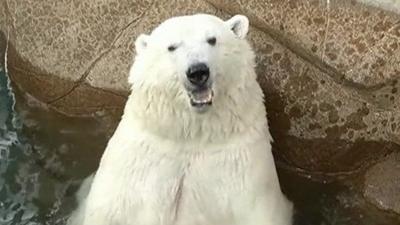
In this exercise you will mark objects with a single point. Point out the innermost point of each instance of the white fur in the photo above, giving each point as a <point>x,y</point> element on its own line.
<point>167,164</point>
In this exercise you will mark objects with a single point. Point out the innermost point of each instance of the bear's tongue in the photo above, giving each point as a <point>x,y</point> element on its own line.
<point>203,97</point>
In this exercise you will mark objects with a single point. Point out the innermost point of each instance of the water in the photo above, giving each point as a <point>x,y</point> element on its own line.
<point>336,203</point>
<point>17,183</point>
<point>44,156</point>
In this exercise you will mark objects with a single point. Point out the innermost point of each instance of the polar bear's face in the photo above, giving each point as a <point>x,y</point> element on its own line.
<point>193,60</point>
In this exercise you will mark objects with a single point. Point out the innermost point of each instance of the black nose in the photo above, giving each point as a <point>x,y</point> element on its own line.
<point>198,74</point>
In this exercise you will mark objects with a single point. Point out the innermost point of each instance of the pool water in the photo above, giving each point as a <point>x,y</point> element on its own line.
<point>44,156</point>
<point>18,184</point>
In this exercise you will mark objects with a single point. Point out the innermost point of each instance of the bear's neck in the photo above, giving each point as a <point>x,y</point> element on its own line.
<point>229,117</point>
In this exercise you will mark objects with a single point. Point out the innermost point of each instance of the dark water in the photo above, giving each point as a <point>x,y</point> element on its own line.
<point>336,203</point>
<point>44,156</point>
<point>18,184</point>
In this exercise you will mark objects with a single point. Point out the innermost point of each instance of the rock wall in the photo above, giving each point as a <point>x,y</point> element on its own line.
<point>330,69</point>
<point>2,36</point>
<point>3,45</point>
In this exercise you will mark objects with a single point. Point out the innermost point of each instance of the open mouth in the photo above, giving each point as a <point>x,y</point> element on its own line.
<point>201,98</point>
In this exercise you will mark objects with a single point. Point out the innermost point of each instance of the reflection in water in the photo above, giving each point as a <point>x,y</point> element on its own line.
<point>44,156</point>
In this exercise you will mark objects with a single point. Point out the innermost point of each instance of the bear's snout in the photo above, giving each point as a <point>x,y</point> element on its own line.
<point>198,74</point>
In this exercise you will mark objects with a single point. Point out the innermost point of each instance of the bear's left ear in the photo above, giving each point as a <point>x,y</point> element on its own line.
<point>239,25</point>
<point>141,43</point>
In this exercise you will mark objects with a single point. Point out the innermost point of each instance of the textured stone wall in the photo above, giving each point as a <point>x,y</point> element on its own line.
<point>2,48</point>
<point>330,69</point>
<point>2,36</point>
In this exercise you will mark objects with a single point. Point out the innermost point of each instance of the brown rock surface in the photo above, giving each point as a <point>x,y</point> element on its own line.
<point>2,36</point>
<point>382,184</point>
<point>2,48</point>
<point>2,16</point>
<point>318,124</point>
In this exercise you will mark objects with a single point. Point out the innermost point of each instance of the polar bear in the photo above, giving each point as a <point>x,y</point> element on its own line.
<point>193,145</point>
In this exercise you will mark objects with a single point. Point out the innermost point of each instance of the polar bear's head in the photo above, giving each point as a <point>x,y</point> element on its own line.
<point>194,59</point>
<point>194,74</point>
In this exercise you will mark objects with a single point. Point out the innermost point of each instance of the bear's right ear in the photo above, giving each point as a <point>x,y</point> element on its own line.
<point>141,43</point>
<point>239,25</point>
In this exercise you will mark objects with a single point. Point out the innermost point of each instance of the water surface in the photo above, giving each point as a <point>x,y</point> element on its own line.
<point>43,157</point>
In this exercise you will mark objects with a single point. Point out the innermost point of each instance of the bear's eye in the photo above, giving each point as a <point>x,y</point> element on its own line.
<point>172,48</point>
<point>212,41</point>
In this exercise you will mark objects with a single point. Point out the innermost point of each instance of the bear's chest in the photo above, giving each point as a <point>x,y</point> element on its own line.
<point>207,191</point>
<point>183,189</point>
<point>148,182</point>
